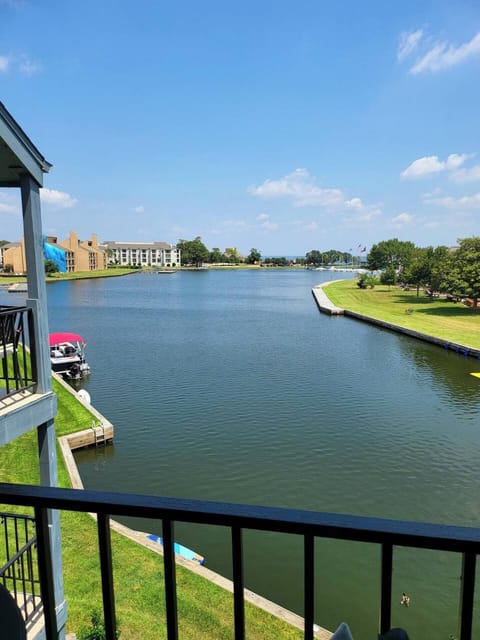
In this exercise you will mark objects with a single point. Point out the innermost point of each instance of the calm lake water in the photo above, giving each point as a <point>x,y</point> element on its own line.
<point>231,386</point>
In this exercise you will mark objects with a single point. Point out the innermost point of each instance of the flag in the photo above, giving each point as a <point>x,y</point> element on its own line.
<point>363,250</point>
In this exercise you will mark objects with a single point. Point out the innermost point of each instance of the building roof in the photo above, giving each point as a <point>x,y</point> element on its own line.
<point>18,154</point>
<point>113,244</point>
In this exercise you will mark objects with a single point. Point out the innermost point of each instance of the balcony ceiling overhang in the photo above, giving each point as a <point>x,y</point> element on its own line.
<point>18,154</point>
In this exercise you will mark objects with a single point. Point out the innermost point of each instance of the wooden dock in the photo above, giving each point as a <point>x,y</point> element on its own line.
<point>101,430</point>
<point>97,434</point>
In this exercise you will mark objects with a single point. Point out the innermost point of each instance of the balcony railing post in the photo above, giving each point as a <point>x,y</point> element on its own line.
<point>170,580</point>
<point>386,587</point>
<point>466,596</point>
<point>105,547</point>
<point>309,584</point>
<point>32,342</point>
<point>238,584</point>
<point>45,568</point>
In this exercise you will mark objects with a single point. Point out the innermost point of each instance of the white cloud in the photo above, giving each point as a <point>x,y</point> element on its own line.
<point>58,199</point>
<point>27,66</point>
<point>311,226</point>
<point>402,219</point>
<point>364,212</point>
<point>408,43</point>
<point>465,202</point>
<point>355,203</point>
<point>269,226</point>
<point>19,63</point>
<point>301,188</point>
<point>444,55</point>
<point>139,209</point>
<point>7,208</point>
<point>263,216</point>
<point>466,175</point>
<point>4,64</point>
<point>429,165</point>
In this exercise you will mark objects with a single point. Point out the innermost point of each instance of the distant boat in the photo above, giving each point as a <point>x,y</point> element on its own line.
<point>18,287</point>
<point>166,271</point>
<point>179,549</point>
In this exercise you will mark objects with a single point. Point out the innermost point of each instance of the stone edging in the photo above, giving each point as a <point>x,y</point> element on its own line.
<point>326,306</point>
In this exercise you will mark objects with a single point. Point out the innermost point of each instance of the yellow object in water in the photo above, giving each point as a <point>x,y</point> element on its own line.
<point>477,375</point>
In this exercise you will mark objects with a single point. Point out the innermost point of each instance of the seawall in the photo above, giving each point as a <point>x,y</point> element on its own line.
<point>326,306</point>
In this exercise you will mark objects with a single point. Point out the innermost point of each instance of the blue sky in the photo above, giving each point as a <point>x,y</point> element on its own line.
<point>281,125</point>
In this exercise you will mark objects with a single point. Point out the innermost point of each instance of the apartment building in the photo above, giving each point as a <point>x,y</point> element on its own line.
<point>80,255</point>
<point>142,254</point>
<point>84,255</point>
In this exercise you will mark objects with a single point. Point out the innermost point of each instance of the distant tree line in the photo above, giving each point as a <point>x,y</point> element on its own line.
<point>454,271</point>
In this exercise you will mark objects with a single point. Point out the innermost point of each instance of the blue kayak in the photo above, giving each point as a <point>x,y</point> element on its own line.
<point>179,549</point>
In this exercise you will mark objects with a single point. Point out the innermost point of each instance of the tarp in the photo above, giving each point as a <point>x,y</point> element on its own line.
<point>58,338</point>
<point>56,254</point>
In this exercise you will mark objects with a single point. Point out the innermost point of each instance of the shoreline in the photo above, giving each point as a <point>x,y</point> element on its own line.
<point>325,305</point>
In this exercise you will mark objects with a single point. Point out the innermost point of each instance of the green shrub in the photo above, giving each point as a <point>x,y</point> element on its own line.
<point>97,629</point>
<point>367,281</point>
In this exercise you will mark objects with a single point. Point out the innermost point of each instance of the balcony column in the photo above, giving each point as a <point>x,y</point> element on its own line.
<point>37,300</point>
<point>37,291</point>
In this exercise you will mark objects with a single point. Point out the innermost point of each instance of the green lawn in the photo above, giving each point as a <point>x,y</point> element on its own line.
<point>433,316</point>
<point>204,610</point>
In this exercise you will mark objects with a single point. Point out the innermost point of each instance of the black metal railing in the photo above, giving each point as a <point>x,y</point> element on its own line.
<point>307,524</point>
<point>18,562</point>
<point>17,351</point>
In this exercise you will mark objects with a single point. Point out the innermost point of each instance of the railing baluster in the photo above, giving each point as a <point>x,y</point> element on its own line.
<point>170,580</point>
<point>309,584</point>
<point>386,587</point>
<point>466,596</point>
<point>238,584</point>
<point>105,546</point>
<point>46,572</point>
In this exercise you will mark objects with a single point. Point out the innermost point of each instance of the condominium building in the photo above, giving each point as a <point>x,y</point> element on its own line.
<point>84,255</point>
<point>142,254</point>
<point>80,255</point>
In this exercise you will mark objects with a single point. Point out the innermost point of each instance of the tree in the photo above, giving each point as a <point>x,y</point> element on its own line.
<point>254,256</point>
<point>313,257</point>
<point>193,252</point>
<point>397,253</point>
<point>216,256</point>
<point>462,275</point>
<point>419,271</point>
<point>389,275</point>
<point>51,267</point>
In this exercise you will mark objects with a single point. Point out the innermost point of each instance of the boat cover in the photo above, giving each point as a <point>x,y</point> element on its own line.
<point>58,338</point>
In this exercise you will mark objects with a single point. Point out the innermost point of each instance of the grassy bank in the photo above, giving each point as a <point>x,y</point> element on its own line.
<point>205,610</point>
<point>7,278</point>
<point>453,322</point>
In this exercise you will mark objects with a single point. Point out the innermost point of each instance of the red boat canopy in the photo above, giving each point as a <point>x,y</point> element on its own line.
<point>58,338</point>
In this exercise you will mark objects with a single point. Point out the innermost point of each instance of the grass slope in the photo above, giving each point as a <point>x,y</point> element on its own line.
<point>433,316</point>
<point>204,610</point>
